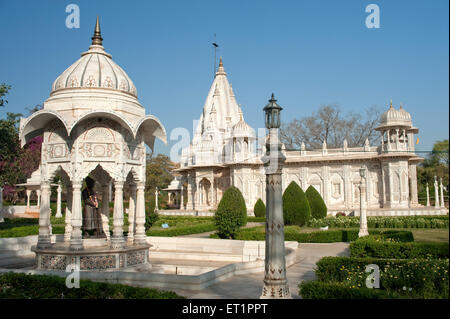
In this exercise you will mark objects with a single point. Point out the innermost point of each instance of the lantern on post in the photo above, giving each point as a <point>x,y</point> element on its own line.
<point>275,281</point>
<point>272,110</point>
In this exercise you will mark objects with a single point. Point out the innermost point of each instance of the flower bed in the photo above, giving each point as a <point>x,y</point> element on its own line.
<point>381,248</point>
<point>382,222</point>
<point>345,277</point>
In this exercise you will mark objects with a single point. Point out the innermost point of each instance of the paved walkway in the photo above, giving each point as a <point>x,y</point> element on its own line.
<point>250,285</point>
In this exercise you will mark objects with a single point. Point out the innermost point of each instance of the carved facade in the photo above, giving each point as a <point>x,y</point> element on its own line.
<point>225,152</point>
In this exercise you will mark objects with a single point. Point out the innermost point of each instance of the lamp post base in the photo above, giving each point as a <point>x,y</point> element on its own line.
<point>275,291</point>
<point>363,232</point>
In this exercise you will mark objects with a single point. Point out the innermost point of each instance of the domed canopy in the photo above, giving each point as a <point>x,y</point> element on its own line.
<point>395,118</point>
<point>95,69</point>
<point>241,128</point>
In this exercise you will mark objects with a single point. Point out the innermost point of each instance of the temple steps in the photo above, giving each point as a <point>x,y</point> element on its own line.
<point>20,261</point>
<point>194,255</point>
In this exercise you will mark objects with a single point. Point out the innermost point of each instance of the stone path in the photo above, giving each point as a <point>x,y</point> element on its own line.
<point>250,285</point>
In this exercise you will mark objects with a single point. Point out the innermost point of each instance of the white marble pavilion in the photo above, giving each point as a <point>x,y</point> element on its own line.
<point>93,124</point>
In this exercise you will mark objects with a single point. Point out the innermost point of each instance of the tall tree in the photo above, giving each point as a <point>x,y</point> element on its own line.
<point>4,89</point>
<point>158,172</point>
<point>331,125</point>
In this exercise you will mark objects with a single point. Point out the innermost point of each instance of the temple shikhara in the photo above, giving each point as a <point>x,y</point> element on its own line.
<point>225,151</point>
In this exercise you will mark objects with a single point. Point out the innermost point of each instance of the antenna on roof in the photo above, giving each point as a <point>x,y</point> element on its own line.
<point>215,45</point>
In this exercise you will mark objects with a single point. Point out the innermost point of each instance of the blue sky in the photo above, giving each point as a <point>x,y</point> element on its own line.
<point>309,53</point>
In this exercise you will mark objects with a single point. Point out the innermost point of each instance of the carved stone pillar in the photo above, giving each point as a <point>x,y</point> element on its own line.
<point>363,231</point>
<point>38,193</point>
<point>68,217</point>
<point>442,193</point>
<point>76,240</point>
<point>140,238</point>
<point>436,196</point>
<point>105,209</point>
<point>182,197</point>
<point>28,197</point>
<point>131,215</point>
<point>44,240</point>
<point>117,240</point>
<point>275,280</point>
<point>428,196</point>
<point>58,202</point>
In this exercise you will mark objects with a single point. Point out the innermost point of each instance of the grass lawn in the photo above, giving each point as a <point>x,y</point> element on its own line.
<point>430,235</point>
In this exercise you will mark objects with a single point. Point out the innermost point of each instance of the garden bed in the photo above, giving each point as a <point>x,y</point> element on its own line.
<point>22,286</point>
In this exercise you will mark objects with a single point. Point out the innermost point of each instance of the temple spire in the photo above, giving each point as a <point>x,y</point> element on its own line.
<point>221,69</point>
<point>97,38</point>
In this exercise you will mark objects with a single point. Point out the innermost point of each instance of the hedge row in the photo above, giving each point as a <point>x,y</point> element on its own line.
<point>334,290</point>
<point>22,231</point>
<point>292,233</point>
<point>180,231</point>
<point>370,247</point>
<point>22,286</point>
<point>382,222</point>
<point>423,278</point>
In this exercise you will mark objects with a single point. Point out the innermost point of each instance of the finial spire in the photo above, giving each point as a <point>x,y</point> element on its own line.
<point>97,38</point>
<point>220,63</point>
<point>391,104</point>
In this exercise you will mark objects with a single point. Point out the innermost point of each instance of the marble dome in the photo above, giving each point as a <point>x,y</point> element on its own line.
<point>394,117</point>
<point>95,69</point>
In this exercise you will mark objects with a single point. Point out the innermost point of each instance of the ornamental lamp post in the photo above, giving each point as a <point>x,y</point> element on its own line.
<point>275,281</point>
<point>363,231</point>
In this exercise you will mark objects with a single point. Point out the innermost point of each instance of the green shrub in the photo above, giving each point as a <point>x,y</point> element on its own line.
<point>374,247</point>
<point>22,286</point>
<point>382,222</point>
<point>296,210</point>
<point>181,231</point>
<point>316,203</point>
<point>413,277</point>
<point>260,209</point>
<point>326,290</point>
<point>231,213</point>
<point>293,233</point>
<point>150,218</point>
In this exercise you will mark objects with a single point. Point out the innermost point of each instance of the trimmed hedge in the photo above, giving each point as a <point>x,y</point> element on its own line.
<point>316,202</point>
<point>231,213</point>
<point>260,209</point>
<point>370,247</point>
<point>326,290</point>
<point>296,209</point>
<point>181,231</point>
<point>292,233</point>
<point>382,222</point>
<point>22,286</point>
<point>413,277</point>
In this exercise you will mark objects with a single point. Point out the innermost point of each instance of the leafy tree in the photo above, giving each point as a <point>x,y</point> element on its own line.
<point>331,125</point>
<point>158,172</point>
<point>296,209</point>
<point>260,209</point>
<point>435,164</point>
<point>4,90</point>
<point>316,203</point>
<point>231,213</point>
